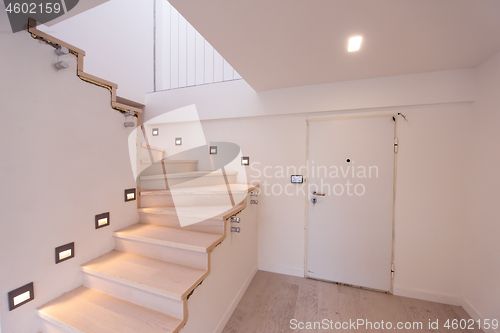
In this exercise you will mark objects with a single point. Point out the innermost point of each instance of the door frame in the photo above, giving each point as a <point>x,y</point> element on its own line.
<point>306,229</point>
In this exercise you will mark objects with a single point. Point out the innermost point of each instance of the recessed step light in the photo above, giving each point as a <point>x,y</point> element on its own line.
<point>354,43</point>
<point>102,220</point>
<point>130,194</point>
<point>21,296</point>
<point>65,252</point>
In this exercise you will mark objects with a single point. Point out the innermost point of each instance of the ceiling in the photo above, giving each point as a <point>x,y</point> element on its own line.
<point>275,44</point>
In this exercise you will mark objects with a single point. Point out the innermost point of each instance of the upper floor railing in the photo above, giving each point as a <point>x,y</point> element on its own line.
<point>183,57</point>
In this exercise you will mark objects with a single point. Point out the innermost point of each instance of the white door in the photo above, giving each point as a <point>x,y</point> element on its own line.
<point>351,162</point>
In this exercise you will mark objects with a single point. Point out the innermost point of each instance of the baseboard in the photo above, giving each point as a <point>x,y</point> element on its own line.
<point>236,301</point>
<point>428,296</point>
<point>474,314</point>
<point>281,269</point>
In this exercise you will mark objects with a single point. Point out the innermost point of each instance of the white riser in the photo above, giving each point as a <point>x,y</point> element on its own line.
<point>157,168</point>
<point>146,299</point>
<point>210,226</point>
<point>159,184</point>
<point>169,254</point>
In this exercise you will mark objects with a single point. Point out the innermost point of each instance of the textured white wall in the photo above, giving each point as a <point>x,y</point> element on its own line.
<point>64,160</point>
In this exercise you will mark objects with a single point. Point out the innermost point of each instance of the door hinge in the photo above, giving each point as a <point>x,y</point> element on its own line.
<point>392,271</point>
<point>395,145</point>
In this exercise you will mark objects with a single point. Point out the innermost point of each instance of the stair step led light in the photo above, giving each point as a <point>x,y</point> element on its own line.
<point>354,43</point>
<point>102,220</point>
<point>213,150</point>
<point>130,194</point>
<point>65,252</point>
<point>155,132</point>
<point>21,296</point>
<point>245,160</point>
<point>178,141</point>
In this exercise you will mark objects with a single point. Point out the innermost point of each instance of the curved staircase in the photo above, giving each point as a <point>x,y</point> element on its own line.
<point>145,283</point>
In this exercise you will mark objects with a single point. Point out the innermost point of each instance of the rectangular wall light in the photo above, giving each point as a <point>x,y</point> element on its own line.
<point>178,141</point>
<point>155,132</point>
<point>213,150</point>
<point>245,160</point>
<point>102,220</point>
<point>65,252</point>
<point>354,43</point>
<point>130,194</point>
<point>21,296</point>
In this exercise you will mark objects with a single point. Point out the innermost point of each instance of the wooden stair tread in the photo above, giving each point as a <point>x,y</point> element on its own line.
<point>159,277</point>
<point>172,237</point>
<point>34,30</point>
<point>126,107</point>
<point>188,175</point>
<point>134,104</point>
<point>204,190</point>
<point>208,212</point>
<point>90,311</point>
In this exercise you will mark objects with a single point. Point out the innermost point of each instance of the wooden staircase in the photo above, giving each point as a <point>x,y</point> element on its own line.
<point>144,284</point>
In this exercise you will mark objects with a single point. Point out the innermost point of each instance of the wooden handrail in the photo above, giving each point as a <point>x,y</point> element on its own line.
<point>79,53</point>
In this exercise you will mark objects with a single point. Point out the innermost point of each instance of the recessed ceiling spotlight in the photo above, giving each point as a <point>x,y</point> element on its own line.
<point>354,43</point>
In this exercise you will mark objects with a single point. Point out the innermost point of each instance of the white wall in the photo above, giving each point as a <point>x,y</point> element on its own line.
<point>481,287</point>
<point>273,141</point>
<point>117,37</point>
<point>183,57</point>
<point>237,99</point>
<point>64,160</point>
<point>431,207</point>
<point>431,197</point>
<point>214,301</point>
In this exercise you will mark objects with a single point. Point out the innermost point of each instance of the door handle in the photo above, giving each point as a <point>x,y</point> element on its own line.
<point>318,194</point>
